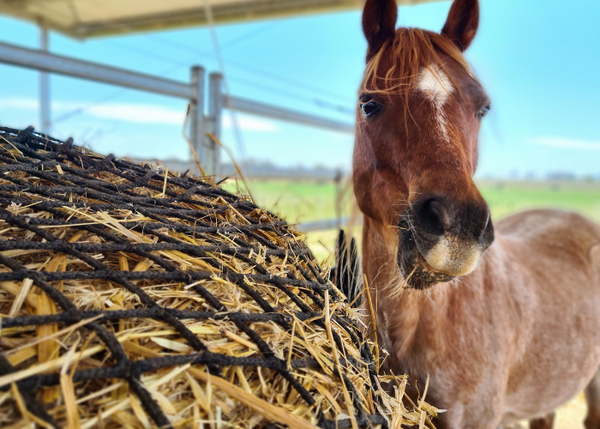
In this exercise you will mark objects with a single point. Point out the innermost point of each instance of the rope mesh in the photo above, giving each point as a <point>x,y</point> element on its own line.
<point>122,284</point>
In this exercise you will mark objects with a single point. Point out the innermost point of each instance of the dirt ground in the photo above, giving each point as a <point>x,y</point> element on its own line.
<point>572,414</point>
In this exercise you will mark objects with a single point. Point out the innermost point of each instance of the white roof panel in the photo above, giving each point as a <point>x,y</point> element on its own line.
<point>89,18</point>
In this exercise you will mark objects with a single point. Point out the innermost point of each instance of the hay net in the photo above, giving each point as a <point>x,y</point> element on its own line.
<point>132,297</point>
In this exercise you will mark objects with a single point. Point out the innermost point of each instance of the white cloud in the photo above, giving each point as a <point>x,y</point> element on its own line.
<point>249,123</point>
<point>135,112</point>
<point>567,143</point>
<point>18,103</point>
<point>140,113</point>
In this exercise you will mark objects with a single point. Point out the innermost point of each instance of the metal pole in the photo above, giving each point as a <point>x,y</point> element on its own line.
<point>197,123</point>
<point>338,197</point>
<point>215,110</point>
<point>45,121</point>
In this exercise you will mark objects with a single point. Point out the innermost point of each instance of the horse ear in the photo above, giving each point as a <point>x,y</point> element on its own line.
<point>379,23</point>
<point>461,25</point>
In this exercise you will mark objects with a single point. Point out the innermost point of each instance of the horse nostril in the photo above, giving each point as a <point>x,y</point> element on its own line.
<point>488,222</point>
<point>432,216</point>
<point>487,235</point>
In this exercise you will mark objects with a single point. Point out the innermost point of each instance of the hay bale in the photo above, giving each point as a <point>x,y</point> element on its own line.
<point>132,297</point>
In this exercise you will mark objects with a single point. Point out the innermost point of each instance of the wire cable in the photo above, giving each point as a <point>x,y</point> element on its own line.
<point>260,72</point>
<point>292,95</point>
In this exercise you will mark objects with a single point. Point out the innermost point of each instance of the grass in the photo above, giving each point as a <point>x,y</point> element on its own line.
<point>301,201</point>
<point>306,201</point>
<point>506,198</point>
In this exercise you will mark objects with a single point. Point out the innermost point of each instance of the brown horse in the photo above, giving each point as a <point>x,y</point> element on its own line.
<point>507,327</point>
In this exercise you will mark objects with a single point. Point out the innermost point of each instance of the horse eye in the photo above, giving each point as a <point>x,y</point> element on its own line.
<point>483,111</point>
<point>370,108</point>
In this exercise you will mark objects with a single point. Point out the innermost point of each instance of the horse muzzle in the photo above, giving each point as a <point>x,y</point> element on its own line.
<point>439,242</point>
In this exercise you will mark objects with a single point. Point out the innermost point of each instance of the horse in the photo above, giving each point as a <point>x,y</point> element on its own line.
<point>502,319</point>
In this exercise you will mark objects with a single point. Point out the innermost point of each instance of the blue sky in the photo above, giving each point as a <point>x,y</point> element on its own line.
<point>538,59</point>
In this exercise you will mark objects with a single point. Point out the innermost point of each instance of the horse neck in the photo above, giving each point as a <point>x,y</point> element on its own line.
<point>411,315</point>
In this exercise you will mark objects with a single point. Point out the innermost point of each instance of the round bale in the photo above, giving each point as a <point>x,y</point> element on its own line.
<point>134,297</point>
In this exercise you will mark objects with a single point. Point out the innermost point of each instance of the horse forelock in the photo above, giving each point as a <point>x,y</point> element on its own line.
<point>410,52</point>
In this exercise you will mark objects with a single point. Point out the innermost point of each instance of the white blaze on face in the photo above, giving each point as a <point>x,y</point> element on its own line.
<point>437,87</point>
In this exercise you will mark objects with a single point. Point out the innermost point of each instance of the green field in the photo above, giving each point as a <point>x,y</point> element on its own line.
<point>306,201</point>
<point>302,201</point>
<point>505,198</point>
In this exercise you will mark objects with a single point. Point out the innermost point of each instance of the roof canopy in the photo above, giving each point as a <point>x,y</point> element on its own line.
<point>89,18</point>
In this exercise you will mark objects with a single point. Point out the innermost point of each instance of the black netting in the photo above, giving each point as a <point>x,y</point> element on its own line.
<point>71,180</point>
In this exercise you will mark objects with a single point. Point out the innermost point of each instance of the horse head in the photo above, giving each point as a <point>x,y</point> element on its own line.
<point>418,119</point>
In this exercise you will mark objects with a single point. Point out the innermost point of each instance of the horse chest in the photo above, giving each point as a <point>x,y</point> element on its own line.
<point>453,344</point>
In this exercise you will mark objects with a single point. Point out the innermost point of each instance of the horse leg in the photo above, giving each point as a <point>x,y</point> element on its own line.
<point>592,395</point>
<point>543,423</point>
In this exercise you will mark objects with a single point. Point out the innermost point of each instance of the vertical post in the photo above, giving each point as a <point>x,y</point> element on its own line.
<point>197,123</point>
<point>338,198</point>
<point>215,109</point>
<point>45,121</point>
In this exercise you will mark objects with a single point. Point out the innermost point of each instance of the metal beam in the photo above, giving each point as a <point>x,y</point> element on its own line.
<point>274,112</point>
<point>39,60</point>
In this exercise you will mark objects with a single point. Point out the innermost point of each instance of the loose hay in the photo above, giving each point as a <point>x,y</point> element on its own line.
<point>133,297</point>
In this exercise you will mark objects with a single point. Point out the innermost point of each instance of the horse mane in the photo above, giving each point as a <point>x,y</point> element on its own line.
<point>409,52</point>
